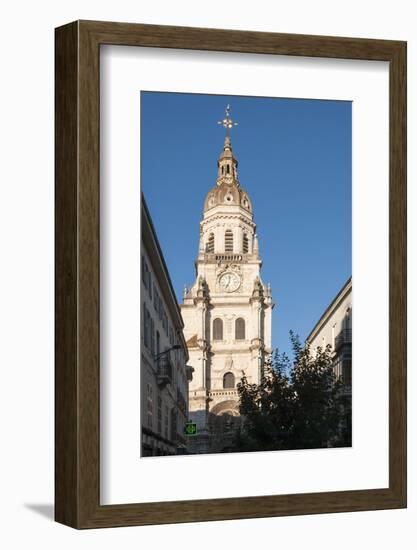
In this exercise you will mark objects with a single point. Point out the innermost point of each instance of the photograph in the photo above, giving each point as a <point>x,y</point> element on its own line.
<point>246,274</point>
<point>209,207</point>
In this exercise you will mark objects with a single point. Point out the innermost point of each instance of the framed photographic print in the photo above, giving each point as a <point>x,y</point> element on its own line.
<point>230,274</point>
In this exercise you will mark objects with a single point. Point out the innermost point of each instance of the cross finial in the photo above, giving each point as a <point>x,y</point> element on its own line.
<point>227,122</point>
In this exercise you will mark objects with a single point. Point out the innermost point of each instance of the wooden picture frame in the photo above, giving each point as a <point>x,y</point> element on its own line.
<point>77,404</point>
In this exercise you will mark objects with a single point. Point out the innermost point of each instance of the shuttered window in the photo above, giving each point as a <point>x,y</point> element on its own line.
<point>240,329</point>
<point>217,329</point>
<point>228,380</point>
<point>146,326</point>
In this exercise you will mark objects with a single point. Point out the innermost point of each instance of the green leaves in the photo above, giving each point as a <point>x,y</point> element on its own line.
<point>298,403</point>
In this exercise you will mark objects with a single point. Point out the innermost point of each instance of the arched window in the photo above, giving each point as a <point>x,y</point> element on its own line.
<point>217,329</point>
<point>228,240</point>
<point>228,169</point>
<point>228,380</point>
<point>240,329</point>
<point>210,243</point>
<point>245,243</point>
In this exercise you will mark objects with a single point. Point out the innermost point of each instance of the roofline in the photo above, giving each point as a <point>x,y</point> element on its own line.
<point>154,236</point>
<point>346,288</point>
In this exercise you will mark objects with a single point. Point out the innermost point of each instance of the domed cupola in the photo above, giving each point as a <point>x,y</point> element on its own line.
<point>227,190</point>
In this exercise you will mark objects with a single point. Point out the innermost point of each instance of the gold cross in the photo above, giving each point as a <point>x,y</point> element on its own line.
<point>227,122</point>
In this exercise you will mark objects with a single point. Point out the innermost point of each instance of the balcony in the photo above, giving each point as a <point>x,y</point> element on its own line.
<point>189,371</point>
<point>224,257</point>
<point>181,402</point>
<point>228,257</point>
<point>344,337</point>
<point>223,393</point>
<point>164,370</point>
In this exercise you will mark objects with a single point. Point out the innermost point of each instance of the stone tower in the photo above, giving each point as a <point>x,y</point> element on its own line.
<point>227,311</point>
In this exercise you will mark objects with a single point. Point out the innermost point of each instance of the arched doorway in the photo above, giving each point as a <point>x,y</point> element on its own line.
<point>224,421</point>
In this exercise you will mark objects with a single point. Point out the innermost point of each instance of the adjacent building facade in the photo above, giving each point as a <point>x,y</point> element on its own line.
<point>164,372</point>
<point>227,311</point>
<point>335,328</point>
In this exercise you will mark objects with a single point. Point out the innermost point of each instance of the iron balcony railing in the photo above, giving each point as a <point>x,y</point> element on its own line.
<point>189,372</point>
<point>344,337</point>
<point>164,370</point>
<point>181,402</point>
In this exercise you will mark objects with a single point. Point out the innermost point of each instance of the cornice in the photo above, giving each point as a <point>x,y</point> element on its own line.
<point>229,216</point>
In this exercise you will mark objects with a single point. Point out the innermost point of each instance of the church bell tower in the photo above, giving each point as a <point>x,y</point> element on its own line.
<point>227,311</point>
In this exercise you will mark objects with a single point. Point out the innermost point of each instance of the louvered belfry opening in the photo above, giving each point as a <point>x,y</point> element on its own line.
<point>245,243</point>
<point>210,243</point>
<point>228,240</point>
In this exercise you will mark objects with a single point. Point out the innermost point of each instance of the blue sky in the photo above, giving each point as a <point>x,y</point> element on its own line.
<point>295,163</point>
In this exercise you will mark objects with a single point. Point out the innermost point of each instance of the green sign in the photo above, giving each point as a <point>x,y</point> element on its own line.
<point>190,428</point>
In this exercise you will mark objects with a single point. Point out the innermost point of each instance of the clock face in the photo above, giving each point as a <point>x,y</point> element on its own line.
<point>229,281</point>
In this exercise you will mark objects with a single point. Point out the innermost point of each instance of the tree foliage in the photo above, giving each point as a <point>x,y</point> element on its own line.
<point>298,404</point>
